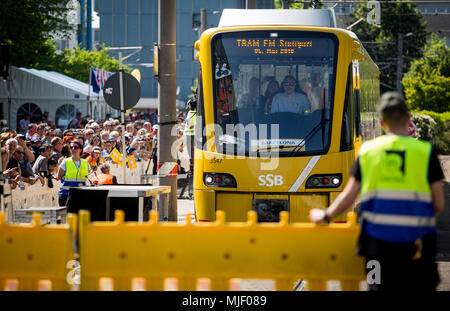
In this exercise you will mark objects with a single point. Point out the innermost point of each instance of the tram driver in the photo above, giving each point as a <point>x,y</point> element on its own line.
<point>293,99</point>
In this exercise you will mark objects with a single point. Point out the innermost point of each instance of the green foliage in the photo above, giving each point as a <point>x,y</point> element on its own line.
<point>29,26</point>
<point>397,18</point>
<point>427,128</point>
<point>427,84</point>
<point>442,119</point>
<point>435,128</point>
<point>76,62</point>
<point>278,4</point>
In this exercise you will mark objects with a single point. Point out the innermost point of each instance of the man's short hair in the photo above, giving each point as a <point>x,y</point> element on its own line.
<point>392,107</point>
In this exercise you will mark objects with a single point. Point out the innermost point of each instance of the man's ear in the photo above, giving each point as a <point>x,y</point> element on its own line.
<point>382,123</point>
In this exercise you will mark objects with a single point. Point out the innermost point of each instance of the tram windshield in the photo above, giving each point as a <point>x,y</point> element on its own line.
<point>273,90</point>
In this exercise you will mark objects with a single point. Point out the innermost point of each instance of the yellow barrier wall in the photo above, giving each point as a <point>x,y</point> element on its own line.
<point>33,257</point>
<point>124,256</point>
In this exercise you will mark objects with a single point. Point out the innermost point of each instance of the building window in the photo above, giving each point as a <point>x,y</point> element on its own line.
<point>64,115</point>
<point>196,23</point>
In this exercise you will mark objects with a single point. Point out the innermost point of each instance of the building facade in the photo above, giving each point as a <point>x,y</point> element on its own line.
<point>127,23</point>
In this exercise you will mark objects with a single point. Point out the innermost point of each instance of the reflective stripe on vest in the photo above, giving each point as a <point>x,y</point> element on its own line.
<point>74,177</point>
<point>396,203</point>
<point>105,179</point>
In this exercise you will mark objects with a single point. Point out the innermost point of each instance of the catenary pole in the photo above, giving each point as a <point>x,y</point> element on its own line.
<point>167,101</point>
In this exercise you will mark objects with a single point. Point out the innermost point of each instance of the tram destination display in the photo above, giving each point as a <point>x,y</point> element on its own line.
<point>273,46</point>
<point>280,44</point>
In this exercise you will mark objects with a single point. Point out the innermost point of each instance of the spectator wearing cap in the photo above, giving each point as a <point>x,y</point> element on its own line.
<point>105,178</point>
<point>72,172</point>
<point>40,166</point>
<point>29,156</point>
<point>95,158</point>
<point>35,145</point>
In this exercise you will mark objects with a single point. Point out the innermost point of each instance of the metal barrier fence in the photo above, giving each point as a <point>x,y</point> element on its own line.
<point>122,255</point>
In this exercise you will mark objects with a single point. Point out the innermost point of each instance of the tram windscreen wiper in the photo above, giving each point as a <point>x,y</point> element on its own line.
<point>320,125</point>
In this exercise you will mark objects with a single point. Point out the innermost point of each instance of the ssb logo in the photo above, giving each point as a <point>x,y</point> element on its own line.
<point>270,180</point>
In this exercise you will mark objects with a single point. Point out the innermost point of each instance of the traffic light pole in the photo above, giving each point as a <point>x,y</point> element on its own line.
<point>167,100</point>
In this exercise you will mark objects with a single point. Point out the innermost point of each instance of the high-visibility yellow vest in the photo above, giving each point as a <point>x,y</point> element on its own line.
<point>396,203</point>
<point>190,123</point>
<point>74,177</point>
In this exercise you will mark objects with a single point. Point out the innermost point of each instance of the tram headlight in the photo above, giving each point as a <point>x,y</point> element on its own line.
<point>219,180</point>
<point>324,181</point>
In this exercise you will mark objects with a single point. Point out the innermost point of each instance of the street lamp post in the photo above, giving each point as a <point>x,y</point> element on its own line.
<point>400,56</point>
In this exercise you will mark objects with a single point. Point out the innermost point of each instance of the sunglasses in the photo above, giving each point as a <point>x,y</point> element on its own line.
<point>74,147</point>
<point>96,139</point>
<point>289,83</point>
<point>20,152</point>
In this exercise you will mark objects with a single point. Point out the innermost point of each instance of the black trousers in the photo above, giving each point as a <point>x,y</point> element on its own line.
<point>398,271</point>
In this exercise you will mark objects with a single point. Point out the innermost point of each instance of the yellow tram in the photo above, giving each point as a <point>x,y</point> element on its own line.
<point>285,99</point>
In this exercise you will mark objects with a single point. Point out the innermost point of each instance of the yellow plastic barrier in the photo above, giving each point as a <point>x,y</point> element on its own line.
<point>35,257</point>
<point>126,255</point>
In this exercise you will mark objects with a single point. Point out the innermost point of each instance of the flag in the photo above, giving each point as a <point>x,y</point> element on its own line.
<point>98,79</point>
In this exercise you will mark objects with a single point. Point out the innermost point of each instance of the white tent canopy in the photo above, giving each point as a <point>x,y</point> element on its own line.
<point>34,91</point>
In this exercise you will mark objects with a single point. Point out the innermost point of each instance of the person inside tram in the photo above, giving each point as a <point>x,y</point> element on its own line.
<point>292,99</point>
<point>272,88</point>
<point>316,93</point>
<point>252,99</point>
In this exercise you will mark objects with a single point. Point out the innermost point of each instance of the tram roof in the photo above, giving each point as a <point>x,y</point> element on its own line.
<point>239,17</point>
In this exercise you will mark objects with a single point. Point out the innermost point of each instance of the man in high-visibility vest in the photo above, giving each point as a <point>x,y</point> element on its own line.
<point>72,172</point>
<point>189,129</point>
<point>399,182</point>
<point>105,178</point>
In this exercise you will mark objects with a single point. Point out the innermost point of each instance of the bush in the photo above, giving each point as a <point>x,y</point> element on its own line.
<point>442,119</point>
<point>427,128</point>
<point>435,128</point>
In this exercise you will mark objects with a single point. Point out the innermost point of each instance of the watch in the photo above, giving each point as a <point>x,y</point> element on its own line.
<point>325,216</point>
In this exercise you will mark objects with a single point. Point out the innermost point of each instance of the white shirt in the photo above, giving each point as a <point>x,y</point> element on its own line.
<point>294,102</point>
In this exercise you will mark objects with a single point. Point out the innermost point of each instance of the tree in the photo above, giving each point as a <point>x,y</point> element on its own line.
<point>28,26</point>
<point>382,42</point>
<point>427,84</point>
<point>76,62</point>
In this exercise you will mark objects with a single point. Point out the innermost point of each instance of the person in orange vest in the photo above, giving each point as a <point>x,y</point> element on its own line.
<point>105,178</point>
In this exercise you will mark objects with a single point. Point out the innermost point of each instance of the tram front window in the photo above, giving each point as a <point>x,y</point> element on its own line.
<point>273,90</point>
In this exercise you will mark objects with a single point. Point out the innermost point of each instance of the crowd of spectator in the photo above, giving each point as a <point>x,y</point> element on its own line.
<point>34,152</point>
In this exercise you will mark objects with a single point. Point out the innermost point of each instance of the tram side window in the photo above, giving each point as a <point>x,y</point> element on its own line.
<point>347,117</point>
<point>357,101</point>
<point>200,138</point>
